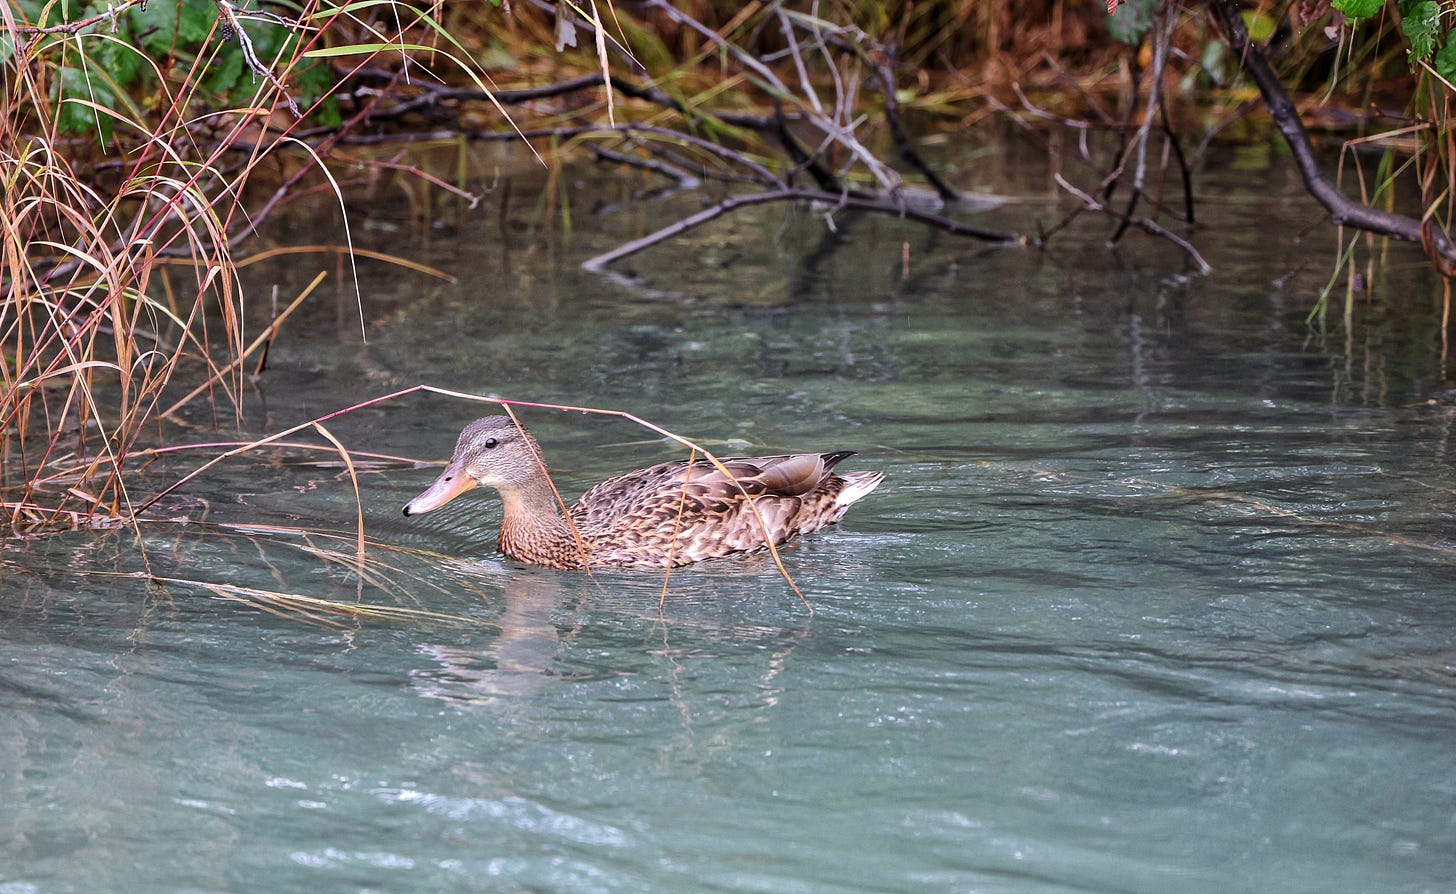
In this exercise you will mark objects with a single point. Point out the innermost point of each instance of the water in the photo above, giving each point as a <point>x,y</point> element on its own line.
<point>1157,595</point>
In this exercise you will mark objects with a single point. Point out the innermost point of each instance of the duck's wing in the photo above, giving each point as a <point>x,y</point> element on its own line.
<point>702,509</point>
<point>779,476</point>
<point>790,475</point>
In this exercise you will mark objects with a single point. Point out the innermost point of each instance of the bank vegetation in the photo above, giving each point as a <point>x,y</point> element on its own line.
<point>142,145</point>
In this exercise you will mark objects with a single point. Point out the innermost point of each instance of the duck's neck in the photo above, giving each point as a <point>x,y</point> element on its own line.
<point>533,529</point>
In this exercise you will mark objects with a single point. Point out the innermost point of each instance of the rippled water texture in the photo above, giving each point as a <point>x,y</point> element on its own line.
<point>1157,596</point>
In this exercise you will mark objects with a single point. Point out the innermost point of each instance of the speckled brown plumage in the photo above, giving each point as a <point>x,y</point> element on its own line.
<point>670,514</point>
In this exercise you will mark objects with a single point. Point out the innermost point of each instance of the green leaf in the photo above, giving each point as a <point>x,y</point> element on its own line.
<point>124,62</point>
<point>176,24</point>
<point>312,81</point>
<point>1261,26</point>
<point>80,116</point>
<point>194,21</point>
<point>365,49</point>
<point>269,40</point>
<point>226,74</point>
<point>1130,23</point>
<point>154,28</point>
<point>328,113</point>
<point>1215,61</point>
<point>1422,26</point>
<point>1357,10</point>
<point>1445,60</point>
<point>31,11</point>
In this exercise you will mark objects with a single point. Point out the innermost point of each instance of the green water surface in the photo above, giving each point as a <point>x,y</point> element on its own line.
<point>1158,595</point>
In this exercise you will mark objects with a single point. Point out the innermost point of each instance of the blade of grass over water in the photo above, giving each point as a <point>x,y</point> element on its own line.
<point>318,425</point>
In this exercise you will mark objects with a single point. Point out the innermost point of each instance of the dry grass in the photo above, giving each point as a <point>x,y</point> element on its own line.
<point>120,278</point>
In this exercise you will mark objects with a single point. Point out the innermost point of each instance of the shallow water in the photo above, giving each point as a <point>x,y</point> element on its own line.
<point>1157,596</point>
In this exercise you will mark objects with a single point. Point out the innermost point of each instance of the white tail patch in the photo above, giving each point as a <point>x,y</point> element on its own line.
<point>856,486</point>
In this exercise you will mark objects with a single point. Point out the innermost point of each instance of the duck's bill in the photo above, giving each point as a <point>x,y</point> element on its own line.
<point>452,483</point>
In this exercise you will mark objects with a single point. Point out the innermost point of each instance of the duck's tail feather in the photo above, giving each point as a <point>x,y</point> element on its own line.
<point>856,486</point>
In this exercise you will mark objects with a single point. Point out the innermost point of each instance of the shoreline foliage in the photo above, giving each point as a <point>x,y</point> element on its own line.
<point>142,143</point>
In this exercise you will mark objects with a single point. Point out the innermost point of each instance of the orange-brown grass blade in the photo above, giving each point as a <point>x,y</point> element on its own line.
<point>508,405</point>
<point>682,502</point>
<point>396,260</point>
<point>324,611</point>
<point>358,500</point>
<point>691,445</point>
<point>565,513</point>
<point>267,335</point>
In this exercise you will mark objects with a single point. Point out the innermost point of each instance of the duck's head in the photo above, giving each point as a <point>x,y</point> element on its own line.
<point>494,451</point>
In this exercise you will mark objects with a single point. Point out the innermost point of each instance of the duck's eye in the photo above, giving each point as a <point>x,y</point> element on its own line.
<point>490,443</point>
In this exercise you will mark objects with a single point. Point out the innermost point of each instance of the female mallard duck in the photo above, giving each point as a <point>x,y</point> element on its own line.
<point>670,514</point>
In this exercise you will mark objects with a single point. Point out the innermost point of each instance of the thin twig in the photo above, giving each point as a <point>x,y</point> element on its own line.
<point>1143,223</point>
<point>1162,36</point>
<point>683,179</point>
<point>232,28</point>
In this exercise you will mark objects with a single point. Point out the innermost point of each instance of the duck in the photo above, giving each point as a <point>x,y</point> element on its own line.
<point>667,515</point>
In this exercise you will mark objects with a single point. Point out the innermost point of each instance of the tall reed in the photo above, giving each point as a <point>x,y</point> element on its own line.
<point>129,142</point>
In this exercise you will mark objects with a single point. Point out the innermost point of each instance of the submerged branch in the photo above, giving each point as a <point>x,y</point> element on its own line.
<point>790,194</point>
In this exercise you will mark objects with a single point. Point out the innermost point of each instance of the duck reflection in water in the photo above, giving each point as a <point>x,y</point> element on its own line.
<point>514,664</point>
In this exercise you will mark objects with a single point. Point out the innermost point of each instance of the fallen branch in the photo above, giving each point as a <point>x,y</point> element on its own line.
<point>1162,37</point>
<point>600,262</point>
<point>684,179</point>
<point>903,145</point>
<point>1344,211</point>
<point>429,95</point>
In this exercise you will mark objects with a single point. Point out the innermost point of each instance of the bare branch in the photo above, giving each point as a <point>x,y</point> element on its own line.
<point>684,179</point>
<point>231,28</point>
<point>1344,211</point>
<point>859,203</point>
